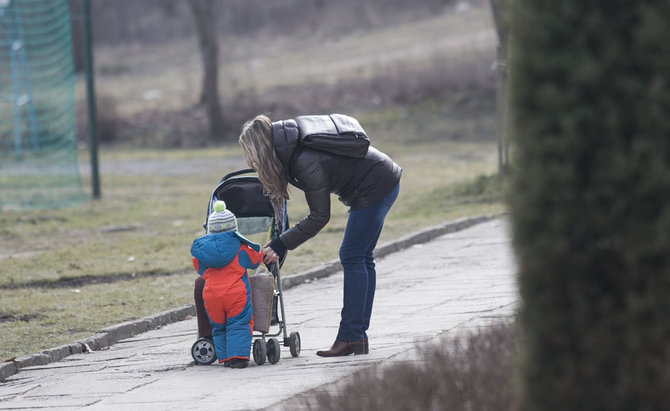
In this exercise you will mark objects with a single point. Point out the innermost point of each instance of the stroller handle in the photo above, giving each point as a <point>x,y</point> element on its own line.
<point>237,173</point>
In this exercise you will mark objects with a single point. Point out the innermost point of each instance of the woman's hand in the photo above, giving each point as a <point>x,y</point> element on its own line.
<point>269,255</point>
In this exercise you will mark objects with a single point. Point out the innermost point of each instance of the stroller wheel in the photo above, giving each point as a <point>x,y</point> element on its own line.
<point>203,351</point>
<point>294,343</point>
<point>260,352</point>
<point>274,351</point>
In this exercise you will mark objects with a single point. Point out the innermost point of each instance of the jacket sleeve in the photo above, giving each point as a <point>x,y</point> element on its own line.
<point>248,257</point>
<point>318,202</point>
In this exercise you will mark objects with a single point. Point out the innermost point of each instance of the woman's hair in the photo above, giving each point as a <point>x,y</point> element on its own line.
<point>258,144</point>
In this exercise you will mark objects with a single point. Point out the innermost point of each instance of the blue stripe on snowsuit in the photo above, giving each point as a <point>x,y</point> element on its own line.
<point>233,338</point>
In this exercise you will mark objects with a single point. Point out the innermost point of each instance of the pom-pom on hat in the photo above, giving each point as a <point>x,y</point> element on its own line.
<point>221,220</point>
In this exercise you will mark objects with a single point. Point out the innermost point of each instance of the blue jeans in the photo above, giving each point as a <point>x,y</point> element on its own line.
<point>360,278</point>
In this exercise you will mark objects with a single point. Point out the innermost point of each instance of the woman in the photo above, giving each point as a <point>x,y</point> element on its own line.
<point>368,185</point>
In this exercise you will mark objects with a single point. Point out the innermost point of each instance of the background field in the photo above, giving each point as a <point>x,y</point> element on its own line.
<point>423,89</point>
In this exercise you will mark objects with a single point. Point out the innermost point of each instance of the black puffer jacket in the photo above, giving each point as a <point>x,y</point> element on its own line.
<point>359,182</point>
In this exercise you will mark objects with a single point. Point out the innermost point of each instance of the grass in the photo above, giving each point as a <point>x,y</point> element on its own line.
<point>67,273</point>
<point>36,318</point>
<point>108,236</point>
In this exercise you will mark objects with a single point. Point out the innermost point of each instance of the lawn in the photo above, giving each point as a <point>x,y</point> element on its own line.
<point>67,273</point>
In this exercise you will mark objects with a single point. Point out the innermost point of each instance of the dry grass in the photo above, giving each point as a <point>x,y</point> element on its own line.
<point>73,271</point>
<point>154,90</point>
<point>469,373</point>
<point>269,63</point>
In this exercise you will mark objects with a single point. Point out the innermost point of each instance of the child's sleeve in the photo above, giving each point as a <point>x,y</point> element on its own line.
<point>248,257</point>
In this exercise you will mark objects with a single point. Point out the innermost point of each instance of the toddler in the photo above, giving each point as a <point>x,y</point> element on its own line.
<point>222,257</point>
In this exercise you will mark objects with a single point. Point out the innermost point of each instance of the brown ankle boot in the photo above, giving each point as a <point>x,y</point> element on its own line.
<point>342,348</point>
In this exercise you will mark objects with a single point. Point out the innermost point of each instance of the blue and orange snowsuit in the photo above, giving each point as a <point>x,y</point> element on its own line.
<point>222,260</point>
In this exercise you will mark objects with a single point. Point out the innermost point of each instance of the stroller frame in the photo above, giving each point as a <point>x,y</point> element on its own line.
<point>251,213</point>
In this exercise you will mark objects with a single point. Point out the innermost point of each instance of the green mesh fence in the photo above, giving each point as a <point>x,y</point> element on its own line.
<point>38,151</point>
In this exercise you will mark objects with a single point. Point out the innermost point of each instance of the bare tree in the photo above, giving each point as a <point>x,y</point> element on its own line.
<point>203,13</point>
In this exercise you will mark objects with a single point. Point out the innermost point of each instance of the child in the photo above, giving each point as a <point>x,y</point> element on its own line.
<point>222,257</point>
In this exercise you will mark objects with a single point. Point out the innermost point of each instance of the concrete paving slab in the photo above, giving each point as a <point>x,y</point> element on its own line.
<point>453,283</point>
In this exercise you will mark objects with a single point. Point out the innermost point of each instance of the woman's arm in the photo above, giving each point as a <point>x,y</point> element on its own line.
<point>318,202</point>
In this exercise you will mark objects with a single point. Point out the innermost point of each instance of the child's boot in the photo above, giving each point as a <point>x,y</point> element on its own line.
<point>237,363</point>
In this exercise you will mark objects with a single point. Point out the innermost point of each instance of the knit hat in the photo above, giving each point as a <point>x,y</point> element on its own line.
<point>221,219</point>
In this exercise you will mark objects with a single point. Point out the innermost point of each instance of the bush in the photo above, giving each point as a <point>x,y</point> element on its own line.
<point>590,93</point>
<point>472,372</point>
<point>108,124</point>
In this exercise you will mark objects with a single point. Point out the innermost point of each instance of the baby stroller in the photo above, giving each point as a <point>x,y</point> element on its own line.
<point>243,194</point>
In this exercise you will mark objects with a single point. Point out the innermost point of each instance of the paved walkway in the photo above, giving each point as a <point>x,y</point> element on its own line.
<point>456,282</point>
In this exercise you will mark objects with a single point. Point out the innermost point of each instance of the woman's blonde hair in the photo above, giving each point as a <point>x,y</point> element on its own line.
<point>258,144</point>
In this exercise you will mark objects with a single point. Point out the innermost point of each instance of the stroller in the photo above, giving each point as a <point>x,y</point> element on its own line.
<point>243,194</point>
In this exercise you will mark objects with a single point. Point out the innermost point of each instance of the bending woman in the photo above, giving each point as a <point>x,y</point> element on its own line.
<point>368,185</point>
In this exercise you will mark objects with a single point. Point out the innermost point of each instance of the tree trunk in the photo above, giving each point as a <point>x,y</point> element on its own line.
<point>498,9</point>
<point>203,14</point>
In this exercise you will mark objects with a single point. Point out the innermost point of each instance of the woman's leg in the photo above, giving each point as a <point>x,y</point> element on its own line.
<point>356,255</point>
<point>372,285</point>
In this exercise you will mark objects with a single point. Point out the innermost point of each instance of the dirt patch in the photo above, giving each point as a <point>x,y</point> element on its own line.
<point>9,318</point>
<point>79,281</point>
